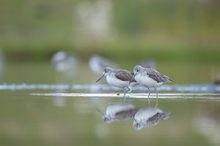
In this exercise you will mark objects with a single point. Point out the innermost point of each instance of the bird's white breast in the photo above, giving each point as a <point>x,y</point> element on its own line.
<point>144,79</point>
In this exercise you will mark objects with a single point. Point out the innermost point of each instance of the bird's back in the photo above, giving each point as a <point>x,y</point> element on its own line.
<point>157,76</point>
<point>125,75</point>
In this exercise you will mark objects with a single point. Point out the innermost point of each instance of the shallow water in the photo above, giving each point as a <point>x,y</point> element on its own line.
<point>48,108</point>
<point>191,88</point>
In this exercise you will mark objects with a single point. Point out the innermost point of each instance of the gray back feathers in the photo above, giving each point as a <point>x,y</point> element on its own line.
<point>125,75</point>
<point>154,74</point>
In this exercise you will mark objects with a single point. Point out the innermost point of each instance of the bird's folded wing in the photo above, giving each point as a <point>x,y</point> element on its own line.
<point>125,76</point>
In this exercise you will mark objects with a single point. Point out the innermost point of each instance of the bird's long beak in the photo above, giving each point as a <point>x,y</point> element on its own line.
<point>100,78</point>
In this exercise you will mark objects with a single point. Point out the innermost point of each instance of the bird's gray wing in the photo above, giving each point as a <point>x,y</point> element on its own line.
<point>125,76</point>
<point>157,118</point>
<point>125,114</point>
<point>154,74</point>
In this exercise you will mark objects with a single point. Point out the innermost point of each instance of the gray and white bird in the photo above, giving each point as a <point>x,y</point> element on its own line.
<point>119,78</point>
<point>149,77</point>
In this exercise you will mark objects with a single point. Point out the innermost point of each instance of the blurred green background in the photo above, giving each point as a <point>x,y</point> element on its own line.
<point>182,36</point>
<point>124,30</point>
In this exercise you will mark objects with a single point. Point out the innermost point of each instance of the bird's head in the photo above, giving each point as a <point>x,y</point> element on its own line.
<point>106,71</point>
<point>137,69</point>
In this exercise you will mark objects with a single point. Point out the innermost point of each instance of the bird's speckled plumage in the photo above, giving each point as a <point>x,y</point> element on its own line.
<point>154,74</point>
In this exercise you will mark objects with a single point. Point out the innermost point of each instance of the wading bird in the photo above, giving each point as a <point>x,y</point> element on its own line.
<point>149,77</point>
<point>119,78</point>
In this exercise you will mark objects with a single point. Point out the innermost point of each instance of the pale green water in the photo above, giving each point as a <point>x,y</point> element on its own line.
<point>27,119</point>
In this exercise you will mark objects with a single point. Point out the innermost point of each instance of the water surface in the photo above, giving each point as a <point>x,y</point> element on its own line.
<point>49,108</point>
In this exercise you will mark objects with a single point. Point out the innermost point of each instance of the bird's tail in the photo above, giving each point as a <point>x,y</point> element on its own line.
<point>167,79</point>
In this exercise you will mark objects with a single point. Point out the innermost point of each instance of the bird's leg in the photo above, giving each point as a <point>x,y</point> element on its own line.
<point>124,97</point>
<point>148,97</point>
<point>126,90</point>
<point>156,96</point>
<point>129,90</point>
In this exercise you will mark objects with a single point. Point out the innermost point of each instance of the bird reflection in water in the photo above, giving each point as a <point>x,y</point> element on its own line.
<point>118,112</point>
<point>148,117</point>
<point>145,117</point>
